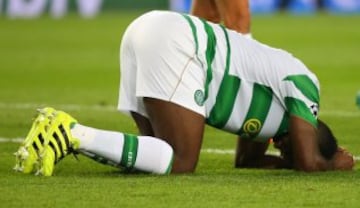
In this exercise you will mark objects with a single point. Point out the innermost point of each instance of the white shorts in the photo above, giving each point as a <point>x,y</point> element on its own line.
<point>158,60</point>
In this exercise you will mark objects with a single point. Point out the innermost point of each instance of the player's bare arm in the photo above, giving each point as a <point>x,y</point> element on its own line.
<point>306,154</point>
<point>343,160</point>
<point>252,154</point>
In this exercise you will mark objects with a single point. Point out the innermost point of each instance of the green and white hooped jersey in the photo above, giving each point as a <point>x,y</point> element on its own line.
<point>250,88</point>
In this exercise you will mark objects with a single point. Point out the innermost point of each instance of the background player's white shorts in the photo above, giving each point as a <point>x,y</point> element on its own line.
<point>158,60</point>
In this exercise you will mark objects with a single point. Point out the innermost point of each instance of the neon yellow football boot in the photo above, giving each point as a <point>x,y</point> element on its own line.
<point>26,158</point>
<point>58,142</point>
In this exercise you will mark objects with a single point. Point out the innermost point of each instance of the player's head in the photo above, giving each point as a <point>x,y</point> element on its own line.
<point>326,141</point>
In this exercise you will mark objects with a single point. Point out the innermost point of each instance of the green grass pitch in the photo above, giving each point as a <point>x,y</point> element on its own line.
<point>72,64</point>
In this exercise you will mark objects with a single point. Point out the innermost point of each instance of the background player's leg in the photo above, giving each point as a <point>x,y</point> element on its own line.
<point>182,128</point>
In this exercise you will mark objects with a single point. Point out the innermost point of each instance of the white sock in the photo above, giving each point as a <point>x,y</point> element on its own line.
<point>143,153</point>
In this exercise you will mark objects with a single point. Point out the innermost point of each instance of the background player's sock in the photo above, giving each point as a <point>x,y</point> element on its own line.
<point>143,153</point>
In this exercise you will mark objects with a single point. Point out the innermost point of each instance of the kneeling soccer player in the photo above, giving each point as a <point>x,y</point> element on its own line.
<point>178,73</point>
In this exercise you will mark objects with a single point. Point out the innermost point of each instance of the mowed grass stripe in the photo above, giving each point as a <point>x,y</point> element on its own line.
<point>206,150</point>
<point>111,108</point>
<point>83,54</point>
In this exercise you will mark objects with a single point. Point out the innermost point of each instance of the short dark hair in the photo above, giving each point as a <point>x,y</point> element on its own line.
<point>326,140</point>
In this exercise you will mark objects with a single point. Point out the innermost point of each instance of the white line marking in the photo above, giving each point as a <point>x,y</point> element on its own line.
<point>232,152</point>
<point>112,108</point>
<point>208,150</point>
<point>34,106</point>
<point>14,140</point>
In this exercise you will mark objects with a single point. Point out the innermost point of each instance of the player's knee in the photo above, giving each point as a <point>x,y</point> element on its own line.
<point>184,164</point>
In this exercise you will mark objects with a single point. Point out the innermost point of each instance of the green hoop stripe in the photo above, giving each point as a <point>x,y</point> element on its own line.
<point>210,49</point>
<point>306,86</point>
<point>194,32</point>
<point>225,99</point>
<point>259,108</point>
<point>298,108</point>
<point>129,153</point>
<point>210,55</point>
<point>284,125</point>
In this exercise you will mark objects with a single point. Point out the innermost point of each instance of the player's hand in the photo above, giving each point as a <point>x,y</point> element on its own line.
<point>343,160</point>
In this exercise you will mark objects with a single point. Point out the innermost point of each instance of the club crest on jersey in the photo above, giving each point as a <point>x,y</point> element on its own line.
<point>252,126</point>
<point>199,97</point>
